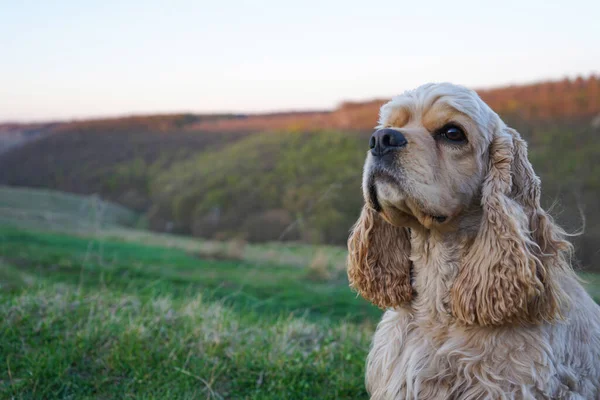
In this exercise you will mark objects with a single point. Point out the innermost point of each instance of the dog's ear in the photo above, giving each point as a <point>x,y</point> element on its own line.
<point>509,273</point>
<point>526,190</point>
<point>378,260</point>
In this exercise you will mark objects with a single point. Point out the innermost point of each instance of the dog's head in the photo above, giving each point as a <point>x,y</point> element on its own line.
<point>440,158</point>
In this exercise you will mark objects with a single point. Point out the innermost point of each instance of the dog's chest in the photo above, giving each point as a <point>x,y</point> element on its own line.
<point>403,357</point>
<point>410,359</point>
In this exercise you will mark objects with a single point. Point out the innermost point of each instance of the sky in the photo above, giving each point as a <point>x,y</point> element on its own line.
<point>78,59</point>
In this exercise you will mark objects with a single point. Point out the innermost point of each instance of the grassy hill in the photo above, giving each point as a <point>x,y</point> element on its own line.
<point>101,310</point>
<point>111,158</point>
<point>113,312</point>
<point>293,176</point>
<point>109,319</point>
<point>98,317</point>
<point>51,209</point>
<point>94,219</point>
<point>269,186</point>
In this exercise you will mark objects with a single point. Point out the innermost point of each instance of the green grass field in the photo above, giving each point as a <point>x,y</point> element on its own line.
<point>87,318</point>
<point>112,312</point>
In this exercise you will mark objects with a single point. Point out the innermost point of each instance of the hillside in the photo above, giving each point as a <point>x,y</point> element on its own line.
<point>99,318</point>
<point>293,176</point>
<point>271,186</point>
<point>49,209</point>
<point>14,135</point>
<point>107,157</point>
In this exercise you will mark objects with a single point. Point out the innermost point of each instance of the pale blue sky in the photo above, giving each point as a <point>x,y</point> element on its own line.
<point>65,59</point>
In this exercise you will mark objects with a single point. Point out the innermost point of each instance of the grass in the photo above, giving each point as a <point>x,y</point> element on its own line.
<point>272,253</point>
<point>62,211</point>
<point>87,318</point>
<point>110,312</point>
<point>92,218</point>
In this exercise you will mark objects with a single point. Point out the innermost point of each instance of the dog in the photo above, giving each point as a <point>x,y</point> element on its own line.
<point>481,298</point>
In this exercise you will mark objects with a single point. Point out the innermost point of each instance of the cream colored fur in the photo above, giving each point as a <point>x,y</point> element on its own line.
<point>483,305</point>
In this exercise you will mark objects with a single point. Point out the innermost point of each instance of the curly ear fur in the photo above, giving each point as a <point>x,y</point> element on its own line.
<point>509,273</point>
<point>526,191</point>
<point>378,260</point>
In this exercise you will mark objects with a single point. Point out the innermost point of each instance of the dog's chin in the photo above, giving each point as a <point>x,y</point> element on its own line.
<point>397,217</point>
<point>399,209</point>
<point>390,202</point>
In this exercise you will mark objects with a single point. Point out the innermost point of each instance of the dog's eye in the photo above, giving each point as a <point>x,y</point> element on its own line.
<point>453,133</point>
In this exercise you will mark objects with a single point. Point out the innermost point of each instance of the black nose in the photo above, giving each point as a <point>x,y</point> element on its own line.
<point>385,140</point>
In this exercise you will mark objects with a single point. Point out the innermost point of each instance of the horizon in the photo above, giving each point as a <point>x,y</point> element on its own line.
<point>266,112</point>
<point>232,58</point>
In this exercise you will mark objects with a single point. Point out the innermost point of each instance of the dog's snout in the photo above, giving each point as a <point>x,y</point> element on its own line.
<point>385,140</point>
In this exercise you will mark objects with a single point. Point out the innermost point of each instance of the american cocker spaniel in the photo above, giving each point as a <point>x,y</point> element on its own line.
<point>482,300</point>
